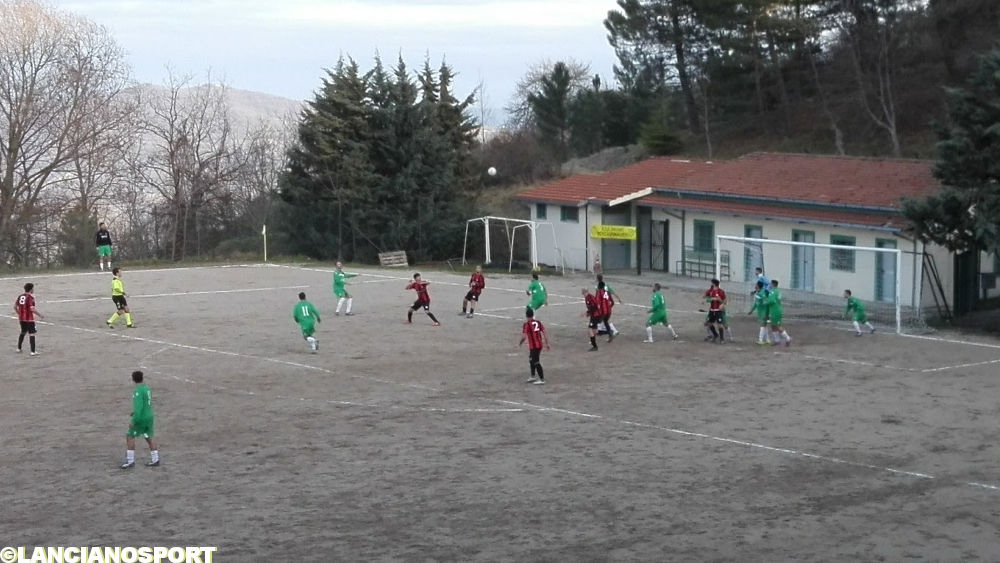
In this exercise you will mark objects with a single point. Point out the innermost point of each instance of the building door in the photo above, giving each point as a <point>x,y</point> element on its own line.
<point>753,252</point>
<point>803,261</point>
<point>659,255</point>
<point>616,254</point>
<point>885,272</point>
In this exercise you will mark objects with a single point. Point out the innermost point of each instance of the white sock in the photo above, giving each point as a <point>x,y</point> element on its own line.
<point>762,335</point>
<point>729,333</point>
<point>774,337</point>
<point>649,332</point>
<point>857,327</point>
<point>109,264</point>
<point>350,300</point>
<point>612,325</point>
<point>154,456</point>
<point>102,266</point>
<point>129,456</point>
<point>784,334</point>
<point>340,303</point>
<point>672,331</point>
<point>869,325</point>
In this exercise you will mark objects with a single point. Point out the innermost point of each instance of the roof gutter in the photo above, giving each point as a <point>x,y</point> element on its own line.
<point>694,194</point>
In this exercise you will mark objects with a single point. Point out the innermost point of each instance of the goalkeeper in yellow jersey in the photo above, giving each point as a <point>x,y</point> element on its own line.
<point>118,296</point>
<point>854,304</point>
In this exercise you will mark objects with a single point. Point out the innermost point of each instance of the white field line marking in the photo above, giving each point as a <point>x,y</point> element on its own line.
<point>42,275</point>
<point>521,307</point>
<point>518,404</point>
<point>950,341</point>
<point>959,366</point>
<point>748,444</point>
<point>860,363</point>
<point>232,354</point>
<point>182,293</point>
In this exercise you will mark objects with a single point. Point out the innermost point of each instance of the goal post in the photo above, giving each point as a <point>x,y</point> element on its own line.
<point>813,276</point>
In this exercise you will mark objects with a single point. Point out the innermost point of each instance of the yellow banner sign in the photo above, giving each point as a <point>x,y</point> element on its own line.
<point>622,232</point>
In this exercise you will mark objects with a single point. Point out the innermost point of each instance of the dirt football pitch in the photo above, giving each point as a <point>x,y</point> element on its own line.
<point>408,442</point>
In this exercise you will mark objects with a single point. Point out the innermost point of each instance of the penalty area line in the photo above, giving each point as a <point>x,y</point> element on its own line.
<point>182,293</point>
<point>749,444</point>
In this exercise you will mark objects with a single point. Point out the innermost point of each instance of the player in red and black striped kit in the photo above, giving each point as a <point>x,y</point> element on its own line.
<point>593,314</point>
<point>534,332</point>
<point>24,306</point>
<point>423,299</point>
<point>604,303</point>
<point>476,284</point>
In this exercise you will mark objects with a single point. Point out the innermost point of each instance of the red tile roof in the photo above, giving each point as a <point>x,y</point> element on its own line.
<point>822,179</point>
<point>659,171</point>
<point>838,180</point>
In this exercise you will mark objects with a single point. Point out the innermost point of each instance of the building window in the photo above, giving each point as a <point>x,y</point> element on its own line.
<point>842,260</point>
<point>541,211</point>
<point>704,236</point>
<point>570,214</point>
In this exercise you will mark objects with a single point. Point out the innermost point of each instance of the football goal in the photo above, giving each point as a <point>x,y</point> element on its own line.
<point>813,276</point>
<point>505,240</point>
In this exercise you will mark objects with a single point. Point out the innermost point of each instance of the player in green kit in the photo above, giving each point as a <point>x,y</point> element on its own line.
<point>340,277</point>
<point>774,313</point>
<point>760,306</point>
<point>307,316</point>
<point>657,314</point>
<point>537,292</point>
<point>855,304</point>
<point>140,424</point>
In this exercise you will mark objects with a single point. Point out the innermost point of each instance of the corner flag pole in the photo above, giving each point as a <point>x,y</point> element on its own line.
<point>263,233</point>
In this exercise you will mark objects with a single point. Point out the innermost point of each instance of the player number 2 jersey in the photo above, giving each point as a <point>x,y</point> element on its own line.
<point>532,330</point>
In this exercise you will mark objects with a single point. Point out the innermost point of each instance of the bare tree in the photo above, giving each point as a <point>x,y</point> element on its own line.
<point>193,155</point>
<point>264,155</point>
<point>61,79</point>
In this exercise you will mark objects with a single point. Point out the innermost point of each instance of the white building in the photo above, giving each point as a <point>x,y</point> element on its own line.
<point>679,207</point>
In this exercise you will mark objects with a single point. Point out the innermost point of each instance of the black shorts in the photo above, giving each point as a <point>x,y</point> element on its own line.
<point>426,305</point>
<point>715,316</point>
<point>535,355</point>
<point>119,300</point>
<point>28,327</point>
<point>595,320</point>
<point>472,296</point>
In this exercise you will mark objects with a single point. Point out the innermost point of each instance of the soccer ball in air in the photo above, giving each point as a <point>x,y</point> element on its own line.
<point>491,171</point>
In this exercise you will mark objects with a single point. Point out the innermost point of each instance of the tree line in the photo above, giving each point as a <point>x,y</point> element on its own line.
<point>725,77</point>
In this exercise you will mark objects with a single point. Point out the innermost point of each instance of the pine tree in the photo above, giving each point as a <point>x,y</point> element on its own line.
<point>965,214</point>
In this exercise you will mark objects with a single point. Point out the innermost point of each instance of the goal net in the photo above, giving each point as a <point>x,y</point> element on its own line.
<point>813,276</point>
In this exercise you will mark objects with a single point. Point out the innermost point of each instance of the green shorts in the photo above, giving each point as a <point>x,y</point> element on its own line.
<point>308,328</point>
<point>861,317</point>
<point>762,317</point>
<point>775,318</point>
<point>340,292</point>
<point>142,428</point>
<point>535,304</point>
<point>656,318</point>
<point>104,250</point>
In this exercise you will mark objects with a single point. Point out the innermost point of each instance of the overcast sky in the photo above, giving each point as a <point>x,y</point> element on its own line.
<point>281,46</point>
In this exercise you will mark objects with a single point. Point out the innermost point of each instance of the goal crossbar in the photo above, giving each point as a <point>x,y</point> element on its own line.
<point>898,253</point>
